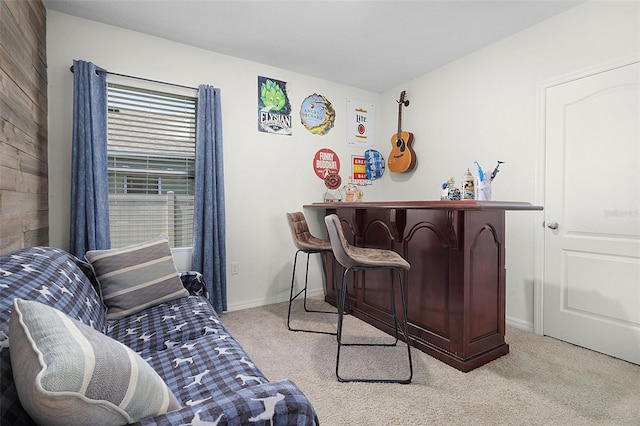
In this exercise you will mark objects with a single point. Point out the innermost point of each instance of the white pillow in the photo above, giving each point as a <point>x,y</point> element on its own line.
<point>67,373</point>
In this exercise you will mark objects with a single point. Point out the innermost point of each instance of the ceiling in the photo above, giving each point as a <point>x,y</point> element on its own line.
<point>373,45</point>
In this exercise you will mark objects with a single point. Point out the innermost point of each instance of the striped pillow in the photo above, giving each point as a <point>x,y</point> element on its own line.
<point>136,277</point>
<point>67,373</point>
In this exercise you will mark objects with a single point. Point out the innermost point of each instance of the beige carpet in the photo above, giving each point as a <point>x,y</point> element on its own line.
<point>542,381</point>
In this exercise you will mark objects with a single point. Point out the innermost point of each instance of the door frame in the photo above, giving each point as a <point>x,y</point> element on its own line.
<point>540,171</point>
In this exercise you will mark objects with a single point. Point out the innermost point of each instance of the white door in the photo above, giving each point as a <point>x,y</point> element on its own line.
<point>591,292</point>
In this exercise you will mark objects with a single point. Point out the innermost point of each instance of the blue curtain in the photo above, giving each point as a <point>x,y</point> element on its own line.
<point>89,185</point>
<point>209,247</point>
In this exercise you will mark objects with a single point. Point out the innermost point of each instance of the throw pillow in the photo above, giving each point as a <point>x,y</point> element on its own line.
<point>67,373</point>
<point>136,277</point>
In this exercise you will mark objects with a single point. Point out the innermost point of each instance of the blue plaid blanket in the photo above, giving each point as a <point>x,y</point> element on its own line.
<point>183,340</point>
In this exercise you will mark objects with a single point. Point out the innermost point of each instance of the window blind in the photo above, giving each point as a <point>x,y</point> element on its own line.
<point>151,165</point>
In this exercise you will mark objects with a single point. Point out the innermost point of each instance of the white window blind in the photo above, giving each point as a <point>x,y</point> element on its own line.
<point>151,156</point>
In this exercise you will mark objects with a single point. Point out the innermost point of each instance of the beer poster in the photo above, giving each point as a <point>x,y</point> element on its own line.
<point>360,123</point>
<point>274,107</point>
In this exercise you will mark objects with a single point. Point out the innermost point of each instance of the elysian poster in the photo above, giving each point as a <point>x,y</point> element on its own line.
<point>274,106</point>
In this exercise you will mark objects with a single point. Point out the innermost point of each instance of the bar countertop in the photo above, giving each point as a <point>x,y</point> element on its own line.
<point>431,205</point>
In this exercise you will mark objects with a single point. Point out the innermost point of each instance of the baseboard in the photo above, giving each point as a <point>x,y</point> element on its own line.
<point>519,324</point>
<point>510,321</point>
<point>270,301</point>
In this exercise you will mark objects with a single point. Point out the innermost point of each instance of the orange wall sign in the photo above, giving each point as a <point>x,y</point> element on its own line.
<point>326,161</point>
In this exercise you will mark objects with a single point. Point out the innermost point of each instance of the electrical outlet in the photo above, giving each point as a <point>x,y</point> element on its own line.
<point>235,268</point>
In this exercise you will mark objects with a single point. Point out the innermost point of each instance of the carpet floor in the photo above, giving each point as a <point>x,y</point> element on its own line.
<point>542,381</point>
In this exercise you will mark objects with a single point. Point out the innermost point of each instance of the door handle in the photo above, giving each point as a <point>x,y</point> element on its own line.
<point>552,225</point>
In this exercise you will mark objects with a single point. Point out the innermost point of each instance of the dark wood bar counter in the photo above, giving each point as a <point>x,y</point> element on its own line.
<point>456,284</point>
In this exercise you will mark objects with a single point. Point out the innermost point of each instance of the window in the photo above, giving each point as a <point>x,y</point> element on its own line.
<point>151,165</point>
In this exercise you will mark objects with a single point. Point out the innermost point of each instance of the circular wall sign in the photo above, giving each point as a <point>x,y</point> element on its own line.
<point>332,181</point>
<point>317,114</point>
<point>326,161</point>
<point>374,164</point>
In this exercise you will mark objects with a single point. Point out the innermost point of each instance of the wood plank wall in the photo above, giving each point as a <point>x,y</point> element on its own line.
<point>24,187</point>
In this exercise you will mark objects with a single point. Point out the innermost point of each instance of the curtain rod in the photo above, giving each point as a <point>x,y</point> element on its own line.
<point>142,78</point>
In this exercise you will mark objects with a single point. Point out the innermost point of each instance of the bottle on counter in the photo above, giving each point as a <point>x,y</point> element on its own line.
<point>468,186</point>
<point>484,188</point>
<point>350,190</point>
<point>444,194</point>
<point>453,192</point>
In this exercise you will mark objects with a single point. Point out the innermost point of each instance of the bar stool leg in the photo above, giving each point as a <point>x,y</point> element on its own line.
<point>304,290</point>
<point>306,280</point>
<point>403,325</point>
<point>341,302</point>
<point>393,307</point>
<point>291,298</point>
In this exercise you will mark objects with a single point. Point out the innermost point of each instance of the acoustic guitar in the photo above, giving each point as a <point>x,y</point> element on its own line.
<point>402,157</point>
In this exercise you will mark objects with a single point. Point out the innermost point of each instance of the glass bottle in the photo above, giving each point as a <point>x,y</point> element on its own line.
<point>468,186</point>
<point>350,191</point>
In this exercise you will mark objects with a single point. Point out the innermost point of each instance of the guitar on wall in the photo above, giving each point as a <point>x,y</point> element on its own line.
<point>402,157</point>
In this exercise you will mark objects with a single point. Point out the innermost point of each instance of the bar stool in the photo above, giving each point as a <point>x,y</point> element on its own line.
<point>305,243</point>
<point>357,258</point>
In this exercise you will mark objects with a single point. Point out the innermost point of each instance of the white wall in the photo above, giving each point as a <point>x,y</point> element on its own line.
<point>485,107</point>
<point>482,107</point>
<point>265,175</point>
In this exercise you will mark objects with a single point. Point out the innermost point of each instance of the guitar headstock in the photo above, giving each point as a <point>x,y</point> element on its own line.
<point>402,98</point>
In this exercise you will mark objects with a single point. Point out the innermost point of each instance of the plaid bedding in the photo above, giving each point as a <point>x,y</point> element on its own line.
<point>183,340</point>
<point>166,325</point>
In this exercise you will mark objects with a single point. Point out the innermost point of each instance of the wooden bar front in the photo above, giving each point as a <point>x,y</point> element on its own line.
<point>456,284</point>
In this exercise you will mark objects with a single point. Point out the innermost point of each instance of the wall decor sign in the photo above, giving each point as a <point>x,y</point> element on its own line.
<point>274,107</point>
<point>325,162</point>
<point>360,127</point>
<point>374,164</point>
<point>359,170</point>
<point>332,181</point>
<point>317,114</point>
